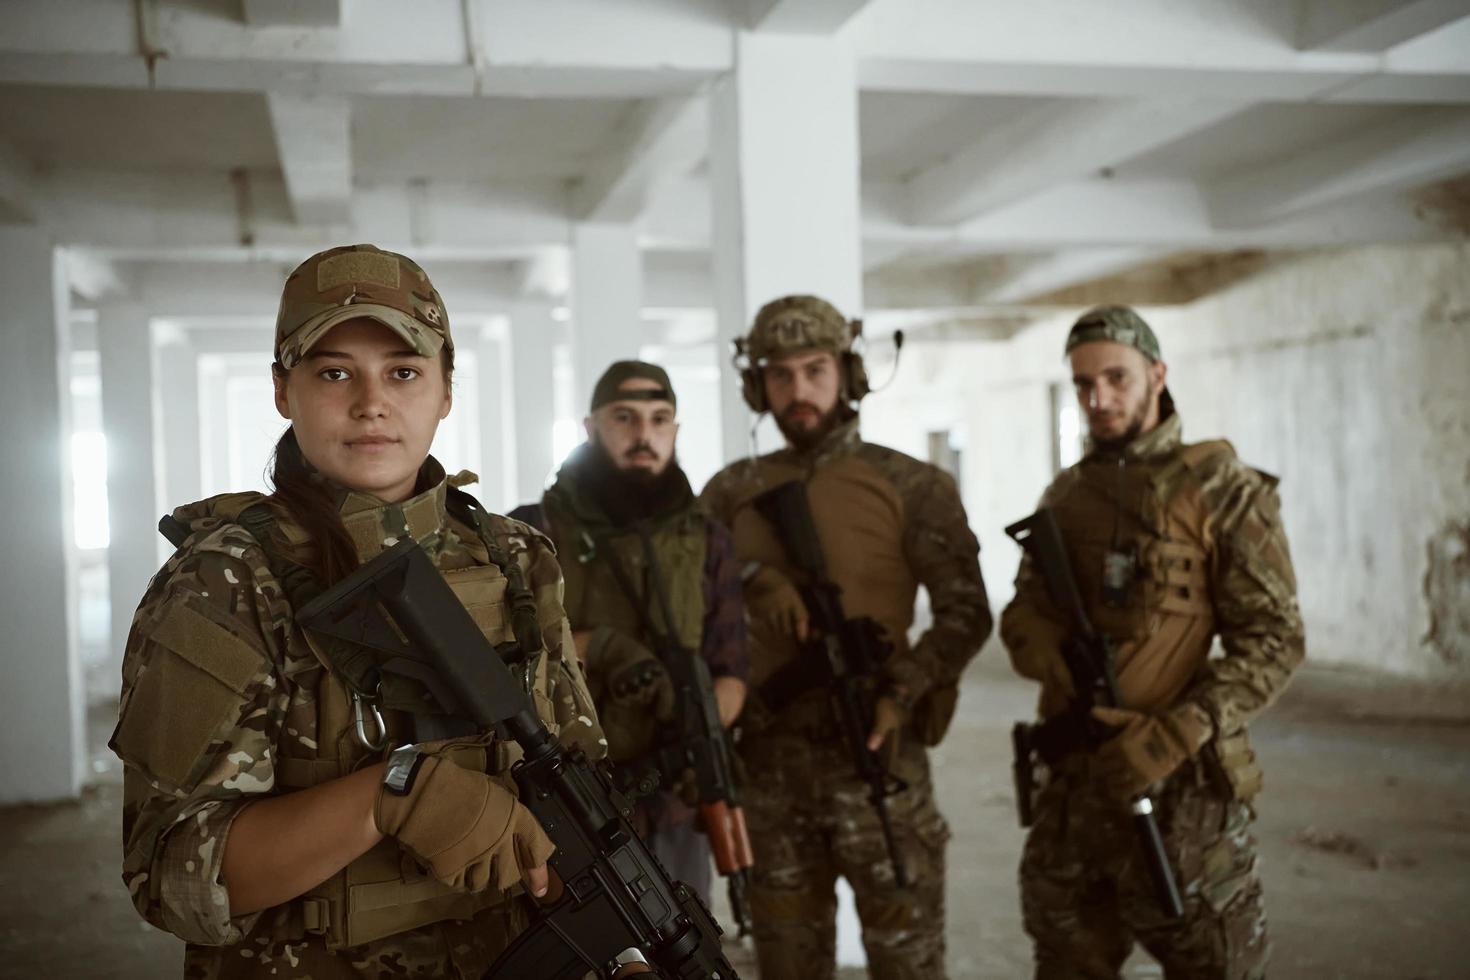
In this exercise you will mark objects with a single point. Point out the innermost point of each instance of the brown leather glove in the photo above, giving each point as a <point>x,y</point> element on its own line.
<point>466,827</point>
<point>1146,749</point>
<point>774,603</point>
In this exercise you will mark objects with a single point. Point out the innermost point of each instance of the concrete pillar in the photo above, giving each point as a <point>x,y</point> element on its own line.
<point>43,755</point>
<point>784,180</point>
<point>607,303</point>
<point>497,470</point>
<point>532,341</point>
<point>125,347</point>
<point>178,421</point>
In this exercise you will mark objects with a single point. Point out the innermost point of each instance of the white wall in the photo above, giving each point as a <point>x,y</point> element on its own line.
<point>1346,373</point>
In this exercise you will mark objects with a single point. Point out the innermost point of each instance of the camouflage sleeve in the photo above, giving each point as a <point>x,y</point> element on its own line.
<point>572,709</point>
<point>1256,611</point>
<point>1031,627</point>
<point>200,714</point>
<point>945,557</point>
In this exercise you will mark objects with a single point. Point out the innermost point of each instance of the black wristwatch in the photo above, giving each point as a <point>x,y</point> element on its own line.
<point>403,766</point>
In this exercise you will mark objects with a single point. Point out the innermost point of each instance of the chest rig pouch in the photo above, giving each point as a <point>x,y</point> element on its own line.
<point>1135,533</point>
<point>366,706</point>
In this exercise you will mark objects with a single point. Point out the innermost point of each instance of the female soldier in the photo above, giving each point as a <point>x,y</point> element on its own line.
<point>257,823</point>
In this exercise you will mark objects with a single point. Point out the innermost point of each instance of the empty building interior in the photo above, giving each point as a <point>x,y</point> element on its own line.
<point>1280,187</point>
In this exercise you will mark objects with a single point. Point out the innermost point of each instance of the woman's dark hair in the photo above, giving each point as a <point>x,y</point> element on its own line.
<point>303,499</point>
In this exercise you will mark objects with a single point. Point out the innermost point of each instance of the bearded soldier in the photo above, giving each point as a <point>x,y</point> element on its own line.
<point>633,537</point>
<point>1171,545</point>
<point>886,524</point>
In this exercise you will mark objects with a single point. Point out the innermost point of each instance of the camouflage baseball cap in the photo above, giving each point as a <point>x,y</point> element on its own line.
<point>353,281</point>
<point>794,323</point>
<point>1120,324</point>
<point>608,388</point>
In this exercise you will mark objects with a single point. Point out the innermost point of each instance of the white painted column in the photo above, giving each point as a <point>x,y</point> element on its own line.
<point>784,179</point>
<point>607,303</point>
<point>497,471</point>
<point>532,340</point>
<point>43,755</point>
<point>177,442</point>
<point>125,348</point>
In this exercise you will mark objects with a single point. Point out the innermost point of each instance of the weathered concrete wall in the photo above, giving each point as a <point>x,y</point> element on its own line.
<point>1346,373</point>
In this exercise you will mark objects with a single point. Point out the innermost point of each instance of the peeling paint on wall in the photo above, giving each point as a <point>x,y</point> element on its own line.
<point>1447,591</point>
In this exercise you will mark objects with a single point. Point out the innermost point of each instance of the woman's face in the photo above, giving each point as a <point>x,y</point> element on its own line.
<point>365,408</point>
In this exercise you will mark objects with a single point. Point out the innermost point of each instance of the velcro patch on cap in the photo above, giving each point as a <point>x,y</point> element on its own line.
<point>364,267</point>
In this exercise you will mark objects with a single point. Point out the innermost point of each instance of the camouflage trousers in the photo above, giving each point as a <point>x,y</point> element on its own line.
<point>1086,895</point>
<point>810,821</point>
<point>450,949</point>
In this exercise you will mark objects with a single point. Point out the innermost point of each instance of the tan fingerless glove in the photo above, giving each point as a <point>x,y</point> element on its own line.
<point>468,829</point>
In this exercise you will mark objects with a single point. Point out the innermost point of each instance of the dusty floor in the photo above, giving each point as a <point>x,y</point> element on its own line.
<point>1364,830</point>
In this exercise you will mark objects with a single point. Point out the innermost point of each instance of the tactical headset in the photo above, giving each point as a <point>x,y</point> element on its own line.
<point>853,376</point>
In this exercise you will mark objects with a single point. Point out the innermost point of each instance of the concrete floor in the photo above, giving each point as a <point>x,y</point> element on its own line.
<point>1364,830</point>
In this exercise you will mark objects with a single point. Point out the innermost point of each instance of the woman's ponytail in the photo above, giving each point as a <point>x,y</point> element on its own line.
<point>331,555</point>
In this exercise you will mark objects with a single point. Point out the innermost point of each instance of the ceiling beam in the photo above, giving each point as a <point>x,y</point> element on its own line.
<point>800,16</point>
<point>1373,25</point>
<point>1053,145</point>
<point>134,215</point>
<point>1068,268</point>
<point>1409,152</point>
<point>523,49</point>
<point>1217,50</point>
<point>314,143</point>
<point>292,13</point>
<point>663,141</point>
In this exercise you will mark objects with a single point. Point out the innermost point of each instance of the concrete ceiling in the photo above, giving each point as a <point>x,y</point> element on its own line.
<point>1009,149</point>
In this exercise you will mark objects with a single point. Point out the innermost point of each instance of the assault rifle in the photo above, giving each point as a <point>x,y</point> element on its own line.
<point>845,657</point>
<point>609,894</point>
<point>696,742</point>
<point>1088,655</point>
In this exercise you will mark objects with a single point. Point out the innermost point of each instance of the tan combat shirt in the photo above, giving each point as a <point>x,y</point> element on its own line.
<point>1174,504</point>
<point>888,523</point>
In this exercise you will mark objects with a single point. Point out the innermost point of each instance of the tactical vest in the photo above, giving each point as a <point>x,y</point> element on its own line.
<point>384,891</point>
<point>593,596</point>
<point>1150,512</point>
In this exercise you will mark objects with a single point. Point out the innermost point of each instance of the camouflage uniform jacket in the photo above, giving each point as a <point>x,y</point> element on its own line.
<point>220,706</point>
<point>888,523</point>
<point>1211,559</point>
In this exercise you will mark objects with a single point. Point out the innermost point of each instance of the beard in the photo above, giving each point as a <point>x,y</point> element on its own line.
<point>806,438</point>
<point>1134,427</point>
<point>628,496</point>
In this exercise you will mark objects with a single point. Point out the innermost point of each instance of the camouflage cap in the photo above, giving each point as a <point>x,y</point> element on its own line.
<point>608,388</point>
<point>353,281</point>
<point>1120,324</point>
<point>794,323</point>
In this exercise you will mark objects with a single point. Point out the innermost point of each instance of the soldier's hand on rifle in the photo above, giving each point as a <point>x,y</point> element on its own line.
<point>729,698</point>
<point>888,717</point>
<point>464,825</point>
<point>1146,749</point>
<point>775,603</point>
